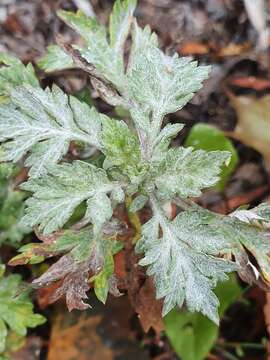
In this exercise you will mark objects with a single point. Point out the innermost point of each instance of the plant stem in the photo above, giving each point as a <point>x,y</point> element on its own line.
<point>245,345</point>
<point>227,354</point>
<point>134,220</point>
<point>183,204</point>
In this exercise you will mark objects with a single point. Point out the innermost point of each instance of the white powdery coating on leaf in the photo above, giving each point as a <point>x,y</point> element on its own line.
<point>66,186</point>
<point>185,172</point>
<point>44,123</point>
<point>181,272</point>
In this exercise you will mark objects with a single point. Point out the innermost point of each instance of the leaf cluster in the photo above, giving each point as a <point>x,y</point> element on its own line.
<point>16,311</point>
<point>186,256</point>
<point>12,206</point>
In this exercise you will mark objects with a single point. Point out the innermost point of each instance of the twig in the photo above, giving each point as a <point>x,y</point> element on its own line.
<point>134,220</point>
<point>183,204</point>
<point>244,345</point>
<point>227,354</point>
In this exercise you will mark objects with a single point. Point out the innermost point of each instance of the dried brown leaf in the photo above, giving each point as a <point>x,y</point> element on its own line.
<point>148,308</point>
<point>253,126</point>
<point>71,343</point>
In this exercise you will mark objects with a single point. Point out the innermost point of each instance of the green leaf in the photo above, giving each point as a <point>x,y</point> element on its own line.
<point>66,186</point>
<point>55,59</point>
<point>186,256</point>
<point>141,40</point>
<point>84,95</point>
<point>11,207</point>
<point>97,213</point>
<point>120,21</point>
<point>107,57</point>
<point>207,137</point>
<point>3,335</point>
<point>102,280</point>
<point>182,272</point>
<point>259,215</point>
<point>78,244</point>
<point>227,235</point>
<point>16,312</point>
<point>14,342</point>
<point>97,51</point>
<point>193,335</point>
<point>29,254</point>
<point>13,74</point>
<point>121,147</point>
<point>84,25</point>
<point>161,83</point>
<point>138,203</point>
<point>11,212</point>
<point>44,122</point>
<point>83,253</point>
<point>185,172</point>
<point>162,142</point>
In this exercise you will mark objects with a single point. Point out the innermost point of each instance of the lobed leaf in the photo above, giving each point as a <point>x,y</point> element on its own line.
<point>181,272</point>
<point>85,258</point>
<point>13,74</point>
<point>209,138</point>
<point>12,230</point>
<point>55,59</point>
<point>57,194</point>
<point>120,21</point>
<point>44,122</point>
<point>121,148</point>
<point>11,207</point>
<point>16,312</point>
<point>106,57</point>
<point>154,84</point>
<point>214,233</point>
<point>161,83</point>
<point>191,334</point>
<point>259,215</point>
<point>186,256</point>
<point>185,172</point>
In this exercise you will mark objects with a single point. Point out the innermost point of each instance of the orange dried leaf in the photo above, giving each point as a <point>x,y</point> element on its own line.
<point>194,48</point>
<point>251,82</point>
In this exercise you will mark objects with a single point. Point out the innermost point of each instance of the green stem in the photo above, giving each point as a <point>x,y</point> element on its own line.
<point>134,220</point>
<point>227,354</point>
<point>245,345</point>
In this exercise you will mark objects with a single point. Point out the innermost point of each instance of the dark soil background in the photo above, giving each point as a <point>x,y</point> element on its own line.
<point>216,32</point>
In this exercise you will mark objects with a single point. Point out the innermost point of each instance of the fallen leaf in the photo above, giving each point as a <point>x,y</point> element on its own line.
<point>13,24</point>
<point>234,49</point>
<point>253,125</point>
<point>142,295</point>
<point>102,333</point>
<point>194,48</point>
<point>71,343</point>
<point>148,308</point>
<point>250,82</point>
<point>246,198</point>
